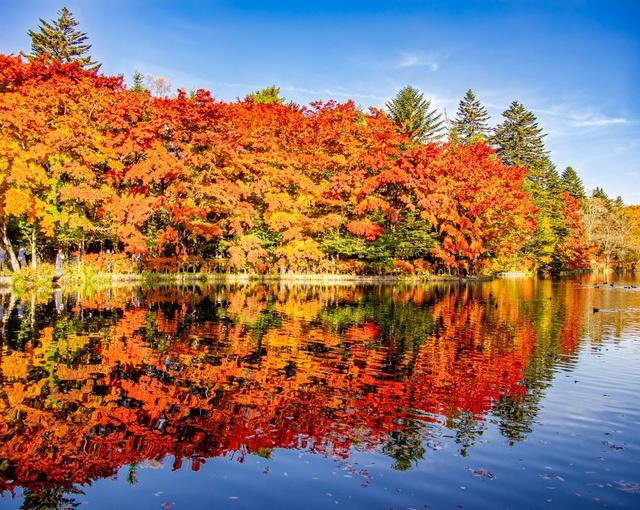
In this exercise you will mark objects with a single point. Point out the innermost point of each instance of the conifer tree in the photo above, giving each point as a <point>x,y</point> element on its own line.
<point>598,192</point>
<point>572,184</point>
<point>62,41</point>
<point>520,141</point>
<point>411,111</point>
<point>138,82</point>
<point>267,95</point>
<point>471,119</point>
<point>618,202</point>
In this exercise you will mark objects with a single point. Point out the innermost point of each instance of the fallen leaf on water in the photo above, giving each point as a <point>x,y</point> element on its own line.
<point>613,446</point>
<point>482,473</point>
<point>629,487</point>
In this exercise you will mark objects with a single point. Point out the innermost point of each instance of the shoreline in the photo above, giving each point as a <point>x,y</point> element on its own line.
<point>97,279</point>
<point>75,278</point>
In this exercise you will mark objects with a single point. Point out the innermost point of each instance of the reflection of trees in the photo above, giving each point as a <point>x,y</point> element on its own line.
<point>556,315</point>
<point>405,445</point>
<point>468,429</point>
<point>131,376</point>
<point>55,498</point>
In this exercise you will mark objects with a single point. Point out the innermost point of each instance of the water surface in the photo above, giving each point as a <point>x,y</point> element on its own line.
<point>504,394</point>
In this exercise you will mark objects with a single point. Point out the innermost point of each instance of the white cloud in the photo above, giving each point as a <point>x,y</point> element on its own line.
<point>332,93</point>
<point>597,121</point>
<point>314,93</point>
<point>582,118</point>
<point>418,59</point>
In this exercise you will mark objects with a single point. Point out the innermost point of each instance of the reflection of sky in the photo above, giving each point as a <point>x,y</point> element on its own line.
<point>575,63</point>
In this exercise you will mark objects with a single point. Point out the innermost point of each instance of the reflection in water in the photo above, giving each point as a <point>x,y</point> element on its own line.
<point>89,384</point>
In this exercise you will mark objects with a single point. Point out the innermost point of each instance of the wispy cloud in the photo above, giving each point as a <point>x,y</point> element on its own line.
<point>419,59</point>
<point>326,92</point>
<point>332,93</point>
<point>597,121</point>
<point>574,119</point>
<point>582,117</point>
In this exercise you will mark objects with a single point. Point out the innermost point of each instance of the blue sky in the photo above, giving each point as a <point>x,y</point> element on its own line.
<point>576,64</point>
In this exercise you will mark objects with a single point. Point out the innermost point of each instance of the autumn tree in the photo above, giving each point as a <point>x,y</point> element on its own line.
<point>573,249</point>
<point>52,141</point>
<point>60,40</point>
<point>606,226</point>
<point>158,86</point>
<point>413,114</point>
<point>477,206</point>
<point>471,119</point>
<point>632,234</point>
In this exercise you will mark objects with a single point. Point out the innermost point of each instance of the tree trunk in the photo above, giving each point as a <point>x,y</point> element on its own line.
<point>13,260</point>
<point>33,243</point>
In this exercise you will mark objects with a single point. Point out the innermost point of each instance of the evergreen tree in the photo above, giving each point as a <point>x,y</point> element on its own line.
<point>411,111</point>
<point>618,202</point>
<point>520,141</point>
<point>60,40</point>
<point>268,95</point>
<point>471,119</point>
<point>600,193</point>
<point>138,83</point>
<point>572,184</point>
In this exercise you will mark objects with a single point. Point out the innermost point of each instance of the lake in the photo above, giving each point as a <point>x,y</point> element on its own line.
<point>502,394</point>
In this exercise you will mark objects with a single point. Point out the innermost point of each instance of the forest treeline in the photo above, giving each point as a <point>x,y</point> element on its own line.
<point>89,164</point>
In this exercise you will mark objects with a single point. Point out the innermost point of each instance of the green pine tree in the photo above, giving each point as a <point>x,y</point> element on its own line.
<point>572,184</point>
<point>138,83</point>
<point>61,41</point>
<point>411,111</point>
<point>618,202</point>
<point>601,194</point>
<point>267,95</point>
<point>471,119</point>
<point>520,142</point>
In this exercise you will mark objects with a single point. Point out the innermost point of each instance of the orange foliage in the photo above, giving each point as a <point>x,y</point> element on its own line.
<point>258,183</point>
